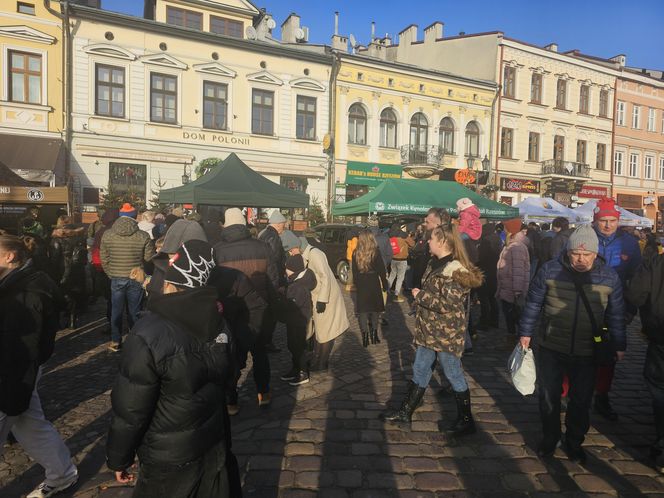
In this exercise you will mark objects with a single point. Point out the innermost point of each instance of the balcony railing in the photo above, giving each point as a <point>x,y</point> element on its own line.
<point>565,168</point>
<point>422,155</point>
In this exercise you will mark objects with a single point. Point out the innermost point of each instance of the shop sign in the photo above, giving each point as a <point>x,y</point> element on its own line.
<point>593,192</point>
<point>520,185</point>
<point>5,190</point>
<point>27,195</point>
<point>213,138</point>
<point>461,176</point>
<point>630,201</point>
<point>35,195</point>
<point>504,199</point>
<point>359,173</point>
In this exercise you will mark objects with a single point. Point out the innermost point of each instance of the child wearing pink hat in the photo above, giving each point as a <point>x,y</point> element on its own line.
<point>469,219</point>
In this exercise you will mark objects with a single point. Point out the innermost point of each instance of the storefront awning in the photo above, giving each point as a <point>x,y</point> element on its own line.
<point>37,159</point>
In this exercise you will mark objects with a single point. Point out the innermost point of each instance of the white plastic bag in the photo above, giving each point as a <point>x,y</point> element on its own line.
<point>522,369</point>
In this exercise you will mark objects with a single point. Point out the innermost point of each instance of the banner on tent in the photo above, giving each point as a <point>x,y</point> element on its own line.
<point>407,208</point>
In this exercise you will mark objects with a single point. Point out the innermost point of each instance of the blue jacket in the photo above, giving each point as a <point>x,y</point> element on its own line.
<point>621,252</point>
<point>565,322</point>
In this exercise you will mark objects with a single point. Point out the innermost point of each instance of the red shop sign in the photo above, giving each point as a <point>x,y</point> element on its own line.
<point>593,192</point>
<point>520,185</point>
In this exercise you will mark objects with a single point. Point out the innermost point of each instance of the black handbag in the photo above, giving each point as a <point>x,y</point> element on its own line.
<point>604,353</point>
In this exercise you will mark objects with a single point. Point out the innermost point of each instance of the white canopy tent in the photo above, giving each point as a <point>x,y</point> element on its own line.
<point>545,210</point>
<point>627,218</point>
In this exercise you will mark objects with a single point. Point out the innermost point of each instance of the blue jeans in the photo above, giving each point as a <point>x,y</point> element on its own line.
<point>124,290</point>
<point>397,272</point>
<point>451,365</point>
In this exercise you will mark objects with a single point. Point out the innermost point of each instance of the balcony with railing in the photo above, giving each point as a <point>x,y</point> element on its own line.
<point>422,161</point>
<point>554,167</point>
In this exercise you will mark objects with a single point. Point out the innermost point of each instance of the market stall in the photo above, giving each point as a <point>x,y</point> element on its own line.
<point>545,210</point>
<point>627,218</point>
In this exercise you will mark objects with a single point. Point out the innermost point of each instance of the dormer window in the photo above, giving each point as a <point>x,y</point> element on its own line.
<point>227,27</point>
<point>185,18</point>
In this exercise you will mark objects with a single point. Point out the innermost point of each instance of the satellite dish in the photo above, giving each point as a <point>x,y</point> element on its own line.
<point>353,41</point>
<point>251,33</point>
<point>271,24</point>
<point>299,34</point>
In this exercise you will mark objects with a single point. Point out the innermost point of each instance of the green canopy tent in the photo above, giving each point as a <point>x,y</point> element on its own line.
<point>417,197</point>
<point>233,183</point>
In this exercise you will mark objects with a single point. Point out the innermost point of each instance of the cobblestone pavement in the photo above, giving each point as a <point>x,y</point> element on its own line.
<point>324,439</point>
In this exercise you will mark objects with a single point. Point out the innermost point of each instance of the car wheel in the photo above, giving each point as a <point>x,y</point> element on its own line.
<point>343,272</point>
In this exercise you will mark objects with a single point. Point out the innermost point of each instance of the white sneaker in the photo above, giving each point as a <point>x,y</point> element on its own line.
<point>45,490</point>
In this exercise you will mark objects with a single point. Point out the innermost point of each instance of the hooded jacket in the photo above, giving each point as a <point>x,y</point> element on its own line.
<point>168,400</point>
<point>440,319</point>
<point>29,306</point>
<point>299,305</point>
<point>514,269</point>
<point>469,222</point>
<point>107,220</point>
<point>68,256</point>
<point>621,252</point>
<point>124,247</point>
<point>270,236</point>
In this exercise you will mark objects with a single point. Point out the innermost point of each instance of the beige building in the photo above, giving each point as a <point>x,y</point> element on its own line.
<point>553,122</point>
<point>154,97</point>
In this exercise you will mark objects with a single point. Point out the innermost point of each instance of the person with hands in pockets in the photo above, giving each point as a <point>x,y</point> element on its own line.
<point>575,294</point>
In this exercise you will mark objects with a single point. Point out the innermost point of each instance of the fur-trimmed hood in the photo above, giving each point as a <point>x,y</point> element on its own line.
<point>469,278</point>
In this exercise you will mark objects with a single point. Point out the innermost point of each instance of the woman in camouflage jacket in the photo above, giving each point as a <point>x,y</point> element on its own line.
<point>440,326</point>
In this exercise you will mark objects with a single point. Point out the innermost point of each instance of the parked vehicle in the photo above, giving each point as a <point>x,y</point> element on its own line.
<point>332,239</point>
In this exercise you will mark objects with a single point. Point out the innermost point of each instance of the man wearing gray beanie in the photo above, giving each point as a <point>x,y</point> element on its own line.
<point>575,296</point>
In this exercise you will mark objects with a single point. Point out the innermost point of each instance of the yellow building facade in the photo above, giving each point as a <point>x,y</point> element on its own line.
<point>395,120</point>
<point>32,95</point>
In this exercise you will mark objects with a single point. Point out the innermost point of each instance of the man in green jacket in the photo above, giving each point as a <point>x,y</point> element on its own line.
<point>124,248</point>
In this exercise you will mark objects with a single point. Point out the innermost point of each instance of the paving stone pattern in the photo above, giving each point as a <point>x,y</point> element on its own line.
<point>325,439</point>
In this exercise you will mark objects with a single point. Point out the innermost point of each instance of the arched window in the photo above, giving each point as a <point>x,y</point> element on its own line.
<point>472,139</point>
<point>388,128</point>
<point>357,125</point>
<point>446,136</point>
<point>419,131</point>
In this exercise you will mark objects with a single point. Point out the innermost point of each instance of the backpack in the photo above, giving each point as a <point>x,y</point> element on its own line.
<point>394,243</point>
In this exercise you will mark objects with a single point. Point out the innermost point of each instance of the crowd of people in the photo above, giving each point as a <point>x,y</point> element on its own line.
<point>188,300</point>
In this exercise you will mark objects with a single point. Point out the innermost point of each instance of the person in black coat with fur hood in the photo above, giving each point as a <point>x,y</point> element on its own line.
<point>168,401</point>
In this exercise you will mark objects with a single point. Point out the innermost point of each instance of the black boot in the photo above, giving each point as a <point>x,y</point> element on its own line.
<point>410,403</point>
<point>365,338</point>
<point>603,407</point>
<point>464,424</point>
<point>374,336</point>
<point>657,448</point>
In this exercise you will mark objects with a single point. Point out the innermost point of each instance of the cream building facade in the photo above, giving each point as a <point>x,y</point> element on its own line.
<point>203,79</point>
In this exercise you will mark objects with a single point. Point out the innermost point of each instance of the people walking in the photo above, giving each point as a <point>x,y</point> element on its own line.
<point>573,296</point>
<point>124,248</point>
<point>29,318</point>
<point>513,278</point>
<point>168,401</point>
<point>489,251</point>
<point>371,285</point>
<point>558,243</point>
<point>440,325</point>
<point>401,244</point>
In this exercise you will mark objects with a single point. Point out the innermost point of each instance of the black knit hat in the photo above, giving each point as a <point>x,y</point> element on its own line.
<point>295,263</point>
<point>191,265</point>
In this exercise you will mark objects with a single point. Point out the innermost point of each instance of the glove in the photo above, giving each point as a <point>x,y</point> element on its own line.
<point>320,307</point>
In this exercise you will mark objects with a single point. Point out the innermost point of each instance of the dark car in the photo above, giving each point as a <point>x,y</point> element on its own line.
<point>332,239</point>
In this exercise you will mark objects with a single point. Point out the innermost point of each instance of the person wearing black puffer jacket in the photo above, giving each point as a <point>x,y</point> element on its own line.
<point>168,401</point>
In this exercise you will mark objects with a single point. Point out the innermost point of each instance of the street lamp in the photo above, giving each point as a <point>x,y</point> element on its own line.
<point>185,176</point>
<point>485,163</point>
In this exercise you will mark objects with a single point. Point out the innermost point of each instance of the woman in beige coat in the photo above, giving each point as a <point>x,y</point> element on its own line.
<point>330,319</point>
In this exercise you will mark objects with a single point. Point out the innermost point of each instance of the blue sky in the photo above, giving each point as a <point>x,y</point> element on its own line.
<point>598,27</point>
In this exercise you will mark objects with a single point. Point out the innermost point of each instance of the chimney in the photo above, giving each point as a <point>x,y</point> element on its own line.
<point>551,47</point>
<point>373,31</point>
<point>289,28</point>
<point>621,59</point>
<point>339,42</point>
<point>408,35</point>
<point>433,32</point>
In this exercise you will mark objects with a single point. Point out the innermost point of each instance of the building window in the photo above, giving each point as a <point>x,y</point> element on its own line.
<point>25,8</point>
<point>651,119</point>
<point>388,129</point>
<point>110,91</point>
<point>620,114</point>
<point>604,103</point>
<point>561,94</point>
<point>634,165</point>
<point>472,139</point>
<point>357,125</point>
<point>446,136</point>
<point>533,146</point>
<point>636,117</point>
<point>618,163</point>
<point>661,168</point>
<point>184,18</point>
<point>559,148</point>
<point>228,27</point>
<point>91,195</point>
<point>536,88</point>
<point>506,140</point>
<point>262,112</point>
<point>648,167</point>
<point>584,99</point>
<point>601,156</point>
<point>215,105</point>
<point>163,98</point>
<point>25,74</point>
<point>419,131</point>
<point>581,146</point>
<point>128,178</point>
<point>509,82</point>
<point>305,119</point>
